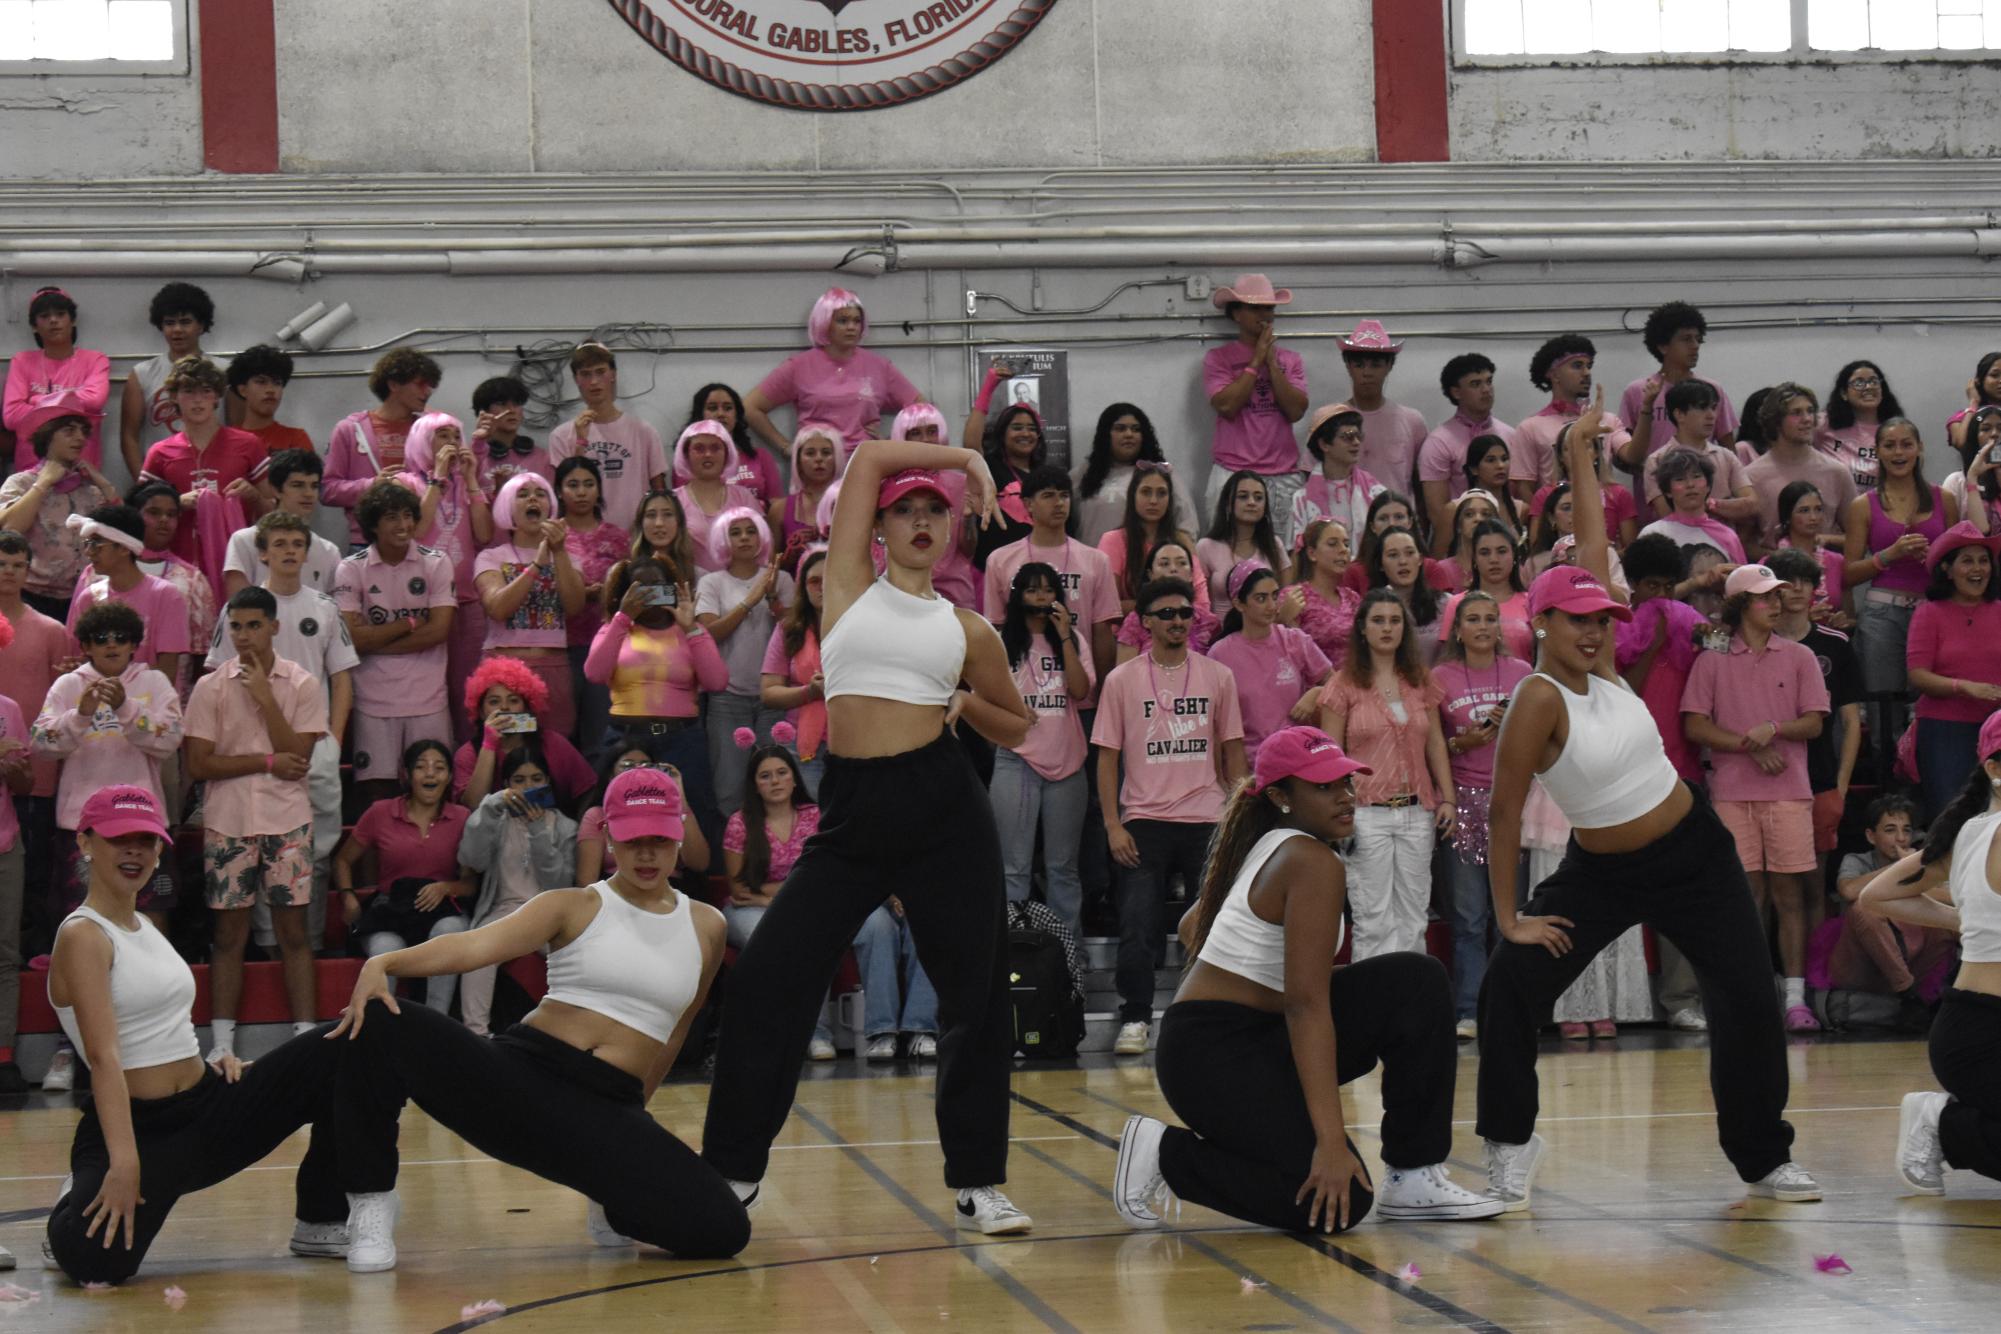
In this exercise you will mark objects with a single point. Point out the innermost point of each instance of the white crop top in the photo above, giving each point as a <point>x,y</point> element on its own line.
<point>893,645</point>
<point>152,993</point>
<point>1244,943</point>
<point>1613,768</point>
<point>1979,905</point>
<point>640,968</point>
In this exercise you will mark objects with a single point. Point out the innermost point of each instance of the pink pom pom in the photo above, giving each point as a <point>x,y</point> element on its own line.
<point>783,733</point>
<point>14,1292</point>
<point>1409,1274</point>
<point>744,738</point>
<point>476,1311</point>
<point>177,1297</point>
<point>1831,1264</point>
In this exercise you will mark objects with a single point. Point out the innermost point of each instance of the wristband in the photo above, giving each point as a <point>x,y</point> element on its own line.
<point>270,764</point>
<point>491,740</point>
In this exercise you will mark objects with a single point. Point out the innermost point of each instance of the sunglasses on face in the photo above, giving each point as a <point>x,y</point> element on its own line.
<point>104,637</point>
<point>1173,614</point>
<point>521,447</point>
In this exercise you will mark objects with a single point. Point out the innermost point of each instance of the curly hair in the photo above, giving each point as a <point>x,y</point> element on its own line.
<point>195,372</point>
<point>512,674</point>
<point>400,365</point>
<point>181,299</point>
<point>381,499</point>
<point>1668,319</point>
<point>260,359</point>
<point>1560,348</point>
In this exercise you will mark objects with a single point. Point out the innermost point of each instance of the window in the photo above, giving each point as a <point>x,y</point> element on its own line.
<point>1545,32</point>
<point>93,36</point>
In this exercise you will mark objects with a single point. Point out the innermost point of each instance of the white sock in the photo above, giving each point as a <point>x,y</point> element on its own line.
<point>1795,991</point>
<point>303,1026</point>
<point>743,1189</point>
<point>224,1031</point>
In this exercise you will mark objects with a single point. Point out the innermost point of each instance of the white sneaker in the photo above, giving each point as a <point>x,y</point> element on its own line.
<point>601,1230</point>
<point>1920,1156</point>
<point>1789,1183</point>
<point>882,1048</point>
<point>746,1192</point>
<point>1511,1172</point>
<point>985,1209</point>
<point>61,1077</point>
<point>1132,1039</point>
<point>1466,1030</point>
<point>820,1049</point>
<point>924,1047</point>
<point>1428,1193</point>
<point>371,1231</point>
<point>1139,1191</point>
<point>319,1241</point>
<point>1690,1020</point>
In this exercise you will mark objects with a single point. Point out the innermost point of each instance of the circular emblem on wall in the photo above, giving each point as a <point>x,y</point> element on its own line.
<point>833,55</point>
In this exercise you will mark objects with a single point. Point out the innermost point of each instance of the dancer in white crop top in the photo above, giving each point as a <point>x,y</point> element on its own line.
<point>563,1093</point>
<point>1644,849</point>
<point>1954,884</point>
<point>1265,1030</point>
<point>160,1124</point>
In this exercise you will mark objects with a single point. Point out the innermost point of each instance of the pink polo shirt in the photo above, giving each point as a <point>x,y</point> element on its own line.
<point>231,456</point>
<point>538,622</point>
<point>28,668</point>
<point>629,456</point>
<point>1958,642</point>
<point>1633,402</point>
<point>1272,673</point>
<point>1532,457</point>
<point>1442,457</point>
<point>222,712</point>
<point>402,851</point>
<point>33,376</point>
<point>1391,436</point>
<point>1469,696</point>
<point>1090,589</point>
<point>1169,726</point>
<point>851,395</point>
<point>159,604</point>
<point>1740,689</point>
<point>397,685</point>
<point>1055,747</point>
<point>1259,437</point>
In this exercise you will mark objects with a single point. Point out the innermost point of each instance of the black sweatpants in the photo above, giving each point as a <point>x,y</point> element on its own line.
<point>919,826</point>
<point>1966,1057</point>
<point>1227,1071</point>
<point>1689,886</point>
<point>535,1102</point>
<point>1164,846</point>
<point>197,1138</point>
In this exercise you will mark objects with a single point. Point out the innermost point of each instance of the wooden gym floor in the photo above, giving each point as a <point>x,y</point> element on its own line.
<point>1639,1225</point>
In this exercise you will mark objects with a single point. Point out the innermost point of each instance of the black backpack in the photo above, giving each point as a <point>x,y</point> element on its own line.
<point>1045,982</point>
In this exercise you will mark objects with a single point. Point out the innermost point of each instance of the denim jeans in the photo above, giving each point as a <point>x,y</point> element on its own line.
<point>1882,631</point>
<point>1473,933</point>
<point>1946,755</point>
<point>883,947</point>
<point>1164,846</point>
<point>729,762</point>
<point>1021,797</point>
<point>438,990</point>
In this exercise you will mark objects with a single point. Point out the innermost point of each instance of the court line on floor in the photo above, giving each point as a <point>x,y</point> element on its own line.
<point>1431,1301</point>
<point>948,1230</point>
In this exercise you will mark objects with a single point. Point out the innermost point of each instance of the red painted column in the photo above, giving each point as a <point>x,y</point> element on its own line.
<point>1411,53</point>
<point>239,85</point>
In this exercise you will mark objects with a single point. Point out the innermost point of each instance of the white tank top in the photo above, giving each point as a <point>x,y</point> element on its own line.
<point>152,993</point>
<point>892,645</point>
<point>1613,768</point>
<point>638,967</point>
<point>1244,943</point>
<point>1979,906</point>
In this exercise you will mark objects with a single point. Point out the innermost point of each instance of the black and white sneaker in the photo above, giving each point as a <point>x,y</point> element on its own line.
<point>319,1241</point>
<point>985,1209</point>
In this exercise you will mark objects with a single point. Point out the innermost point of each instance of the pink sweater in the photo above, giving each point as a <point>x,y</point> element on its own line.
<point>107,749</point>
<point>654,673</point>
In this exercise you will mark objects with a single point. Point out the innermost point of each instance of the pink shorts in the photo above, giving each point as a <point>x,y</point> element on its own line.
<point>276,869</point>
<point>379,743</point>
<point>1771,835</point>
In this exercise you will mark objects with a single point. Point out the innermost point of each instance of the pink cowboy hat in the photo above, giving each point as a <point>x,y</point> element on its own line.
<point>1253,289</point>
<point>1370,336</point>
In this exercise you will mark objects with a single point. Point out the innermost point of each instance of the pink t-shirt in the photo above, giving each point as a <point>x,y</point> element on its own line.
<point>785,854</point>
<point>1391,436</point>
<point>404,852</point>
<point>757,473</point>
<point>850,396</point>
<point>33,376</point>
<point>538,622</point>
<point>1113,545</point>
<point>1772,473</point>
<point>495,473</point>
<point>397,685</point>
<point>1442,457</point>
<point>1854,445</point>
<point>1532,458</point>
<point>702,524</point>
<point>1632,404</point>
<point>1272,673</point>
<point>1739,690</point>
<point>1469,698</point>
<point>162,606</point>
<point>1394,748</point>
<point>1055,747</point>
<point>28,668</point>
<point>654,673</point>
<point>629,456</point>
<point>221,712</point>
<point>451,532</point>
<point>1170,727</point>
<point>1669,674</point>
<point>231,456</point>
<point>1259,437</point>
<point>1958,642</point>
<point>1089,587</point>
<point>569,771</point>
<point>1618,506</point>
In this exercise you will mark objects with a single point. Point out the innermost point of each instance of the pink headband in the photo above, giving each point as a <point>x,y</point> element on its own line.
<point>1240,574</point>
<point>86,528</point>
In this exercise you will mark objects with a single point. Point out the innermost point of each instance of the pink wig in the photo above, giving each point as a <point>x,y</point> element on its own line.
<point>512,674</point>
<point>820,324</point>
<point>503,504</point>
<point>921,414</point>
<point>719,534</point>
<point>825,516</point>
<point>819,431</point>
<point>420,449</point>
<point>682,472</point>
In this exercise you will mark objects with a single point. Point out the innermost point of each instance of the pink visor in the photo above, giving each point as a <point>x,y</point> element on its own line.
<point>643,803</point>
<point>1567,588</point>
<point>909,480</point>
<point>1303,752</point>
<point>113,812</point>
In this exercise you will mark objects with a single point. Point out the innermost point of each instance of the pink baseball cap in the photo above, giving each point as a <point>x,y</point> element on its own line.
<point>113,812</point>
<point>1752,579</point>
<point>643,803</point>
<point>1303,752</point>
<point>1990,736</point>
<point>909,480</point>
<point>1577,591</point>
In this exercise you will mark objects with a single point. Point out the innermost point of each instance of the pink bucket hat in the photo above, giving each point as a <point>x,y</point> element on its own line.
<point>1303,752</point>
<point>1252,289</point>
<point>1567,588</point>
<point>1370,336</point>
<point>643,803</point>
<point>113,812</point>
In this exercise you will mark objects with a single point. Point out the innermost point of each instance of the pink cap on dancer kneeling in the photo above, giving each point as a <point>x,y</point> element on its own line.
<point>643,803</point>
<point>1990,736</point>
<point>1303,752</point>
<point>1567,588</point>
<point>113,812</point>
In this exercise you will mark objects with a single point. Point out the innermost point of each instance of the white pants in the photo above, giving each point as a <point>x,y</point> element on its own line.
<point>1389,879</point>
